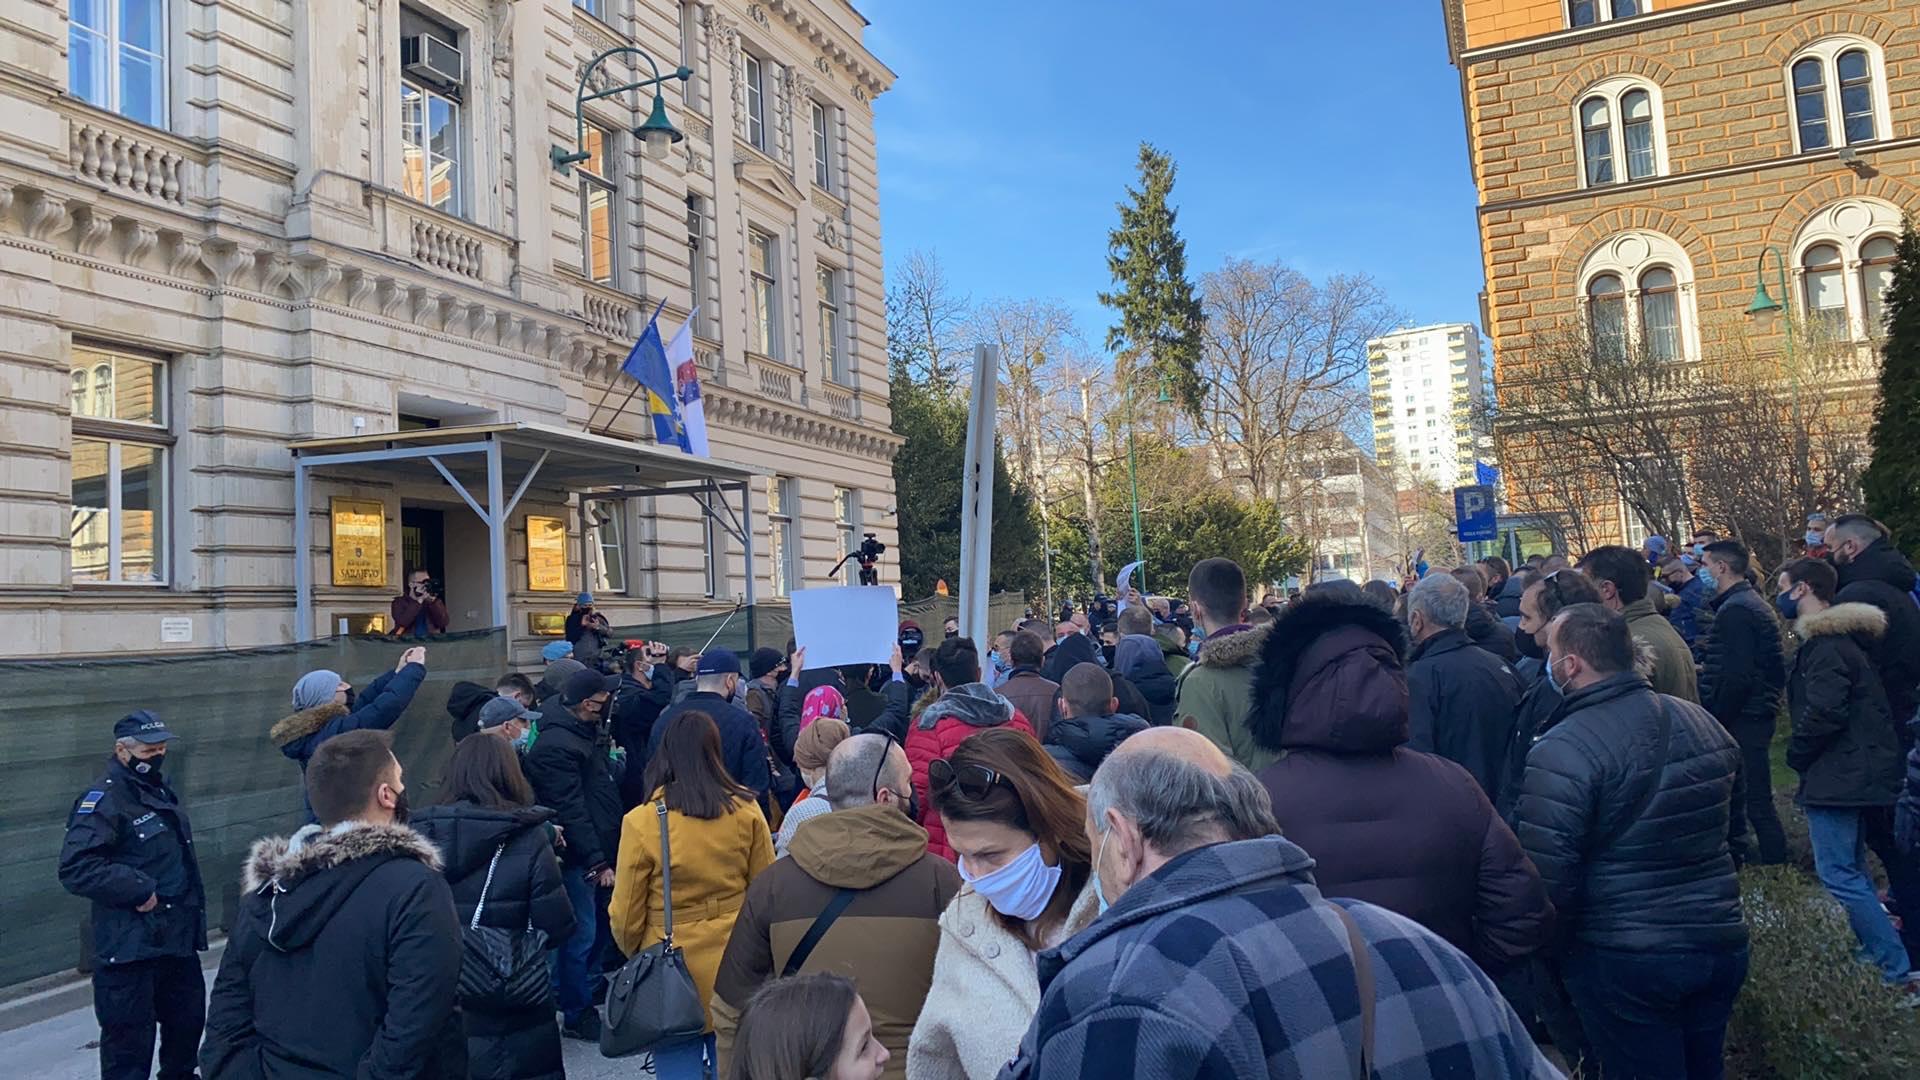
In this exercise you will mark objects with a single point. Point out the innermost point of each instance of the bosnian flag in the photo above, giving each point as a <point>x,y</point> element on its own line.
<point>686,378</point>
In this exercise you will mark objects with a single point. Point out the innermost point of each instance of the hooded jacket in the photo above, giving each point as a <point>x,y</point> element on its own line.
<point>385,698</point>
<point>1663,881</point>
<point>1486,630</point>
<point>1139,660</point>
<point>1883,577</point>
<point>1843,746</point>
<point>1075,648</point>
<point>1463,703</point>
<point>526,890</point>
<point>1215,694</point>
<point>1743,666</point>
<point>1227,963</point>
<point>567,767</point>
<point>949,721</point>
<point>1411,832</point>
<point>885,940</point>
<point>463,708</point>
<point>1506,603</point>
<point>344,963</point>
<point>1080,743</point>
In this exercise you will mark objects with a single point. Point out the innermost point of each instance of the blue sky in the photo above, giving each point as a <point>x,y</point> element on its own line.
<point>1326,135</point>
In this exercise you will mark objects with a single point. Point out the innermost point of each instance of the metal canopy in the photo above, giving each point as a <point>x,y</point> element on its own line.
<point>479,461</point>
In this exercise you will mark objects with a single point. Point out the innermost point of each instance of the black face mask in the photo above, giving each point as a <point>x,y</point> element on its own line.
<point>148,769</point>
<point>400,808</point>
<point>352,696</point>
<point>1527,646</point>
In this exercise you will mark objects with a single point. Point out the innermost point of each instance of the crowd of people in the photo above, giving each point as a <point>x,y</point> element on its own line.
<point>1422,828</point>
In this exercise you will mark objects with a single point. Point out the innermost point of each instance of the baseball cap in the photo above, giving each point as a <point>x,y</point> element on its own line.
<point>584,598</point>
<point>556,650</point>
<point>585,683</point>
<point>718,662</point>
<point>501,709</point>
<point>142,726</point>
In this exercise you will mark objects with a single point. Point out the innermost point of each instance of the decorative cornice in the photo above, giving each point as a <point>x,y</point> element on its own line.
<point>868,79</point>
<point>771,418</point>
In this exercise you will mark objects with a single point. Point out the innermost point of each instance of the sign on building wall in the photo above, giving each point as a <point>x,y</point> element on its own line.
<point>546,554</point>
<point>359,543</point>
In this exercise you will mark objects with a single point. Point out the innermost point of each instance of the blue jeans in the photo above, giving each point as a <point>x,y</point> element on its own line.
<point>1840,858</point>
<point>573,967</point>
<point>1655,1015</point>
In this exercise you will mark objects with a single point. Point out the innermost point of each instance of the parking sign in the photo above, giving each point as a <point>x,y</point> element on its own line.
<point>1473,512</point>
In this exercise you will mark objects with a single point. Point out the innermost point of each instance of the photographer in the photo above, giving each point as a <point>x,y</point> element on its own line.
<point>421,610</point>
<point>587,631</point>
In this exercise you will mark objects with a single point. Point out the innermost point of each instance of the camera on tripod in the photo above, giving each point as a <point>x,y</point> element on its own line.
<point>868,556</point>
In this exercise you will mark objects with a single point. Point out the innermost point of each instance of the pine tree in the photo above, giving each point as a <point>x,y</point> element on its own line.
<point>1892,480</point>
<point>1160,318</point>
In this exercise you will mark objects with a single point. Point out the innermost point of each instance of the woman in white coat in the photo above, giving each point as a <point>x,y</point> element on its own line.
<point>1019,829</point>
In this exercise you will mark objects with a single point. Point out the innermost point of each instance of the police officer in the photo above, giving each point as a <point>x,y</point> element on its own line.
<point>130,851</point>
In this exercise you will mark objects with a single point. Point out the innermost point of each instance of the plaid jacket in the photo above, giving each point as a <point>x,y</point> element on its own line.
<point>1227,964</point>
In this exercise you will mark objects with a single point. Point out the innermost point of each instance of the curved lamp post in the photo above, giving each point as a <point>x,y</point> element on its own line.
<point>657,132</point>
<point>1763,311</point>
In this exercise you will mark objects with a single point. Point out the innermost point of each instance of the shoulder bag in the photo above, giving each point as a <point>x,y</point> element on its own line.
<point>503,970</point>
<point>652,1000</point>
<point>1363,984</point>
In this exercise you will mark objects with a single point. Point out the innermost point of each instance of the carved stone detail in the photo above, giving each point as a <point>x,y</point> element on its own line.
<point>90,227</point>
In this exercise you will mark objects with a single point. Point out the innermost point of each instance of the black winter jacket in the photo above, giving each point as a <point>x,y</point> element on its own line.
<point>1489,633</point>
<point>1539,710</point>
<point>568,769</point>
<point>464,702</point>
<point>128,839</point>
<point>1506,603</point>
<point>1462,702</point>
<point>1743,667</point>
<point>344,963</point>
<point>1665,881</point>
<point>743,749</point>
<point>1883,577</point>
<point>1843,746</point>
<point>1080,743</point>
<point>526,889</point>
<point>1073,649</point>
<point>635,708</point>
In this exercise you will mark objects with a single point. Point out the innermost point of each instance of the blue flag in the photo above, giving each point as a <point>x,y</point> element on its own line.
<point>647,365</point>
<point>1484,473</point>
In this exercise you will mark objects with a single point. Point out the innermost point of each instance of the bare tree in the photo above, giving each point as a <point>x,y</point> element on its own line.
<point>1424,528</point>
<point>1030,334</point>
<point>926,322</point>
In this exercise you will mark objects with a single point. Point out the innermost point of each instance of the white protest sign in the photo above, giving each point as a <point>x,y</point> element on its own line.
<point>1123,584</point>
<point>849,624</point>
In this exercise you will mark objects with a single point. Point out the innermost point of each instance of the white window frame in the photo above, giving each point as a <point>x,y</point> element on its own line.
<point>591,182</point>
<point>1629,256</point>
<point>753,77</point>
<point>156,435</point>
<point>822,117</point>
<point>763,295</point>
<point>1613,92</point>
<point>108,94</point>
<point>1848,225</point>
<point>713,555</point>
<point>1604,11</point>
<point>1827,51</point>
<point>607,536</point>
<point>832,282</point>
<point>694,90</point>
<point>699,265</point>
<point>456,200</point>
<point>846,524</point>
<point>783,535</point>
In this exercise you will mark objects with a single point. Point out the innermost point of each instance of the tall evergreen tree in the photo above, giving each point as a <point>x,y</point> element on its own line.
<point>1892,480</point>
<point>1160,318</point>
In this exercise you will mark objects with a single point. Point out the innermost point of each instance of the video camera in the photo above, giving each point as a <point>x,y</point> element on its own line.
<point>868,555</point>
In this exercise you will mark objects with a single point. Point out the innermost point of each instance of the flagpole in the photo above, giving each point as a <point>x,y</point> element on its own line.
<point>623,408</point>
<point>609,393</point>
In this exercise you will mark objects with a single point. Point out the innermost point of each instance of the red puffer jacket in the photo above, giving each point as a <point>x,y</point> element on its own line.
<point>960,713</point>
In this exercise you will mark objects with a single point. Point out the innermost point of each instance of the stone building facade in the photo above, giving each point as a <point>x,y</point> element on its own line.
<point>228,225</point>
<point>1637,159</point>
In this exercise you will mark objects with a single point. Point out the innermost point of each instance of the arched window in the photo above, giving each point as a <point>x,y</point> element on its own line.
<point>1660,313</point>
<point>80,390</point>
<point>1877,257</point>
<point>1839,96</point>
<point>1826,290</point>
<point>103,390</point>
<point>1588,12</point>
<point>1607,316</point>
<point>1621,132</point>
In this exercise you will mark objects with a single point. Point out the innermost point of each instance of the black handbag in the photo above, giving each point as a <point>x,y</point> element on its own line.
<point>503,970</point>
<point>652,1000</point>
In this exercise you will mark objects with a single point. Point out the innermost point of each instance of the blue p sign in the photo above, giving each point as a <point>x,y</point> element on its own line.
<point>1474,513</point>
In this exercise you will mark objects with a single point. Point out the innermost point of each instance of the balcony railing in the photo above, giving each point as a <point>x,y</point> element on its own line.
<point>133,160</point>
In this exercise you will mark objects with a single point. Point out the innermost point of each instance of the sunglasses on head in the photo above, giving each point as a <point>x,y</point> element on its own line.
<point>973,781</point>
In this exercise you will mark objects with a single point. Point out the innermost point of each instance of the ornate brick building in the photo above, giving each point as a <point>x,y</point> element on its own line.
<point>1637,159</point>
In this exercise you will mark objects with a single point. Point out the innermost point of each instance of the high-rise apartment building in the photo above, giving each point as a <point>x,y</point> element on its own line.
<point>1427,393</point>
<point>1644,165</point>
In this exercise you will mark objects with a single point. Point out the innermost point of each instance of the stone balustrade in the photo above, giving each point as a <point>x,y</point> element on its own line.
<point>130,162</point>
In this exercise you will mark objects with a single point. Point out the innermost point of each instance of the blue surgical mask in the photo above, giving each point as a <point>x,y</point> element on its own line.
<point>1788,604</point>
<point>1099,895</point>
<point>525,742</point>
<point>1706,578</point>
<point>1019,890</point>
<point>1815,538</point>
<point>1552,679</point>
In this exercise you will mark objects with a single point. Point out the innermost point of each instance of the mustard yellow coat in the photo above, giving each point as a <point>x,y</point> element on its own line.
<point>713,863</point>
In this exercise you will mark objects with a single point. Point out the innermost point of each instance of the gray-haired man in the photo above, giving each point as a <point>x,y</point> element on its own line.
<point>1462,701</point>
<point>1219,958</point>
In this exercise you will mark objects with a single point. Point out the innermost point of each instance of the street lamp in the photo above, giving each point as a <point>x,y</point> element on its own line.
<point>657,133</point>
<point>1763,311</point>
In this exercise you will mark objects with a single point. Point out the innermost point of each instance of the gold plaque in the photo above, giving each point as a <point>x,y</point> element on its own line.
<point>546,554</point>
<point>359,543</point>
<point>365,622</point>
<point>546,623</point>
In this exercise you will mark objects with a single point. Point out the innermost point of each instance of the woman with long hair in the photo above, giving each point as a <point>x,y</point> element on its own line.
<point>1019,829</point>
<point>808,1027</point>
<point>718,841</point>
<point>486,810</point>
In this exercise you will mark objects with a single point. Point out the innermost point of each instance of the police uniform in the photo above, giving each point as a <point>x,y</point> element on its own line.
<point>127,840</point>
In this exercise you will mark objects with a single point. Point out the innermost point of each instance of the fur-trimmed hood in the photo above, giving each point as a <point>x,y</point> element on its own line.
<point>306,878</point>
<point>1332,676</point>
<point>305,722</point>
<point>1860,620</point>
<point>1238,649</point>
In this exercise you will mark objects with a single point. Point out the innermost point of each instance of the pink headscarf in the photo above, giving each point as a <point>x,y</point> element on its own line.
<point>822,701</point>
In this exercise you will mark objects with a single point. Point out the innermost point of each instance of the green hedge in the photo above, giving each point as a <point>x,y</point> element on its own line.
<point>1810,1008</point>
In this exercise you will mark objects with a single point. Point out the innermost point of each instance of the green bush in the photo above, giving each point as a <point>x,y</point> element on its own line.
<point>1810,1008</point>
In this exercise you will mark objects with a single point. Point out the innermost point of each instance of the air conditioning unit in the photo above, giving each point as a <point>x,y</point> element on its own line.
<point>427,57</point>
